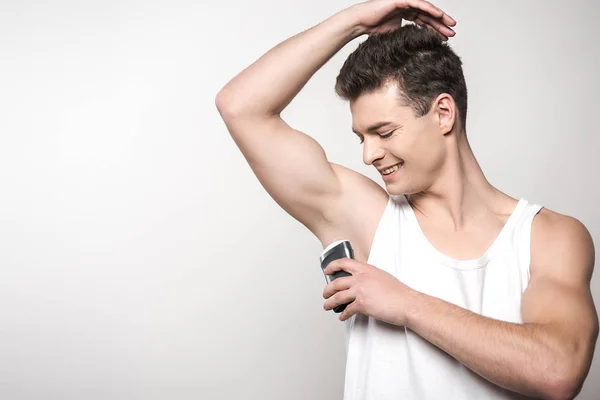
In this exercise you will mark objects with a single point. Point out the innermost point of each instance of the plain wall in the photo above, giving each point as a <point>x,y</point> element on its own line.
<point>139,256</point>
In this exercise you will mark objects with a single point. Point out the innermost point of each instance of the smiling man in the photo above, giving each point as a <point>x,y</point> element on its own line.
<point>458,290</point>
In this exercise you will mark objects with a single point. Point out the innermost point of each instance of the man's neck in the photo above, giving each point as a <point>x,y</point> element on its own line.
<point>461,194</point>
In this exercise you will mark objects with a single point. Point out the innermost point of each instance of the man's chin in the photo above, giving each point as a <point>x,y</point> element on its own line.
<point>394,190</point>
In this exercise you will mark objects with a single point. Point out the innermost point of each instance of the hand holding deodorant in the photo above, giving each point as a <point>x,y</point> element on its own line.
<point>335,250</point>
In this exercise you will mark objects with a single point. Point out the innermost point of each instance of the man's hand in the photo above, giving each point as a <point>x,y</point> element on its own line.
<point>372,291</point>
<point>377,16</point>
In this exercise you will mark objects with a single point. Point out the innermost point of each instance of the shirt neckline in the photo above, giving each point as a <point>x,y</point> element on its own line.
<point>471,263</point>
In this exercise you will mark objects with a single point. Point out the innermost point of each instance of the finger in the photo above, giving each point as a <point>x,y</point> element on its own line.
<point>337,285</point>
<point>448,20</point>
<point>441,15</point>
<point>427,26</point>
<point>348,312</point>
<point>340,264</point>
<point>427,7</point>
<point>410,14</point>
<point>437,25</point>
<point>419,22</point>
<point>423,6</point>
<point>343,297</point>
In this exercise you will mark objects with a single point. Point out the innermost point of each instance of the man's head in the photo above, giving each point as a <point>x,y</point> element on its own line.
<point>413,80</point>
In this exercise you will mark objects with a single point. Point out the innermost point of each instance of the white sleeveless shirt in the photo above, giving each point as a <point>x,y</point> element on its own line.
<point>389,362</point>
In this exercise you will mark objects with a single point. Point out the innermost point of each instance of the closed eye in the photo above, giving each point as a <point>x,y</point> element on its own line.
<point>362,140</point>
<point>388,135</point>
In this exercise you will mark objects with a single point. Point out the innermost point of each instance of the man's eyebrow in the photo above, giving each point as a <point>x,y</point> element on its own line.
<point>374,127</point>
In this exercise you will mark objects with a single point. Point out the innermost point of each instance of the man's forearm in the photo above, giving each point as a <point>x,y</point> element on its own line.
<point>529,358</point>
<point>268,85</point>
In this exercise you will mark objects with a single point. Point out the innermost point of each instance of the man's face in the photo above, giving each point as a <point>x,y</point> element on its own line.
<point>416,143</point>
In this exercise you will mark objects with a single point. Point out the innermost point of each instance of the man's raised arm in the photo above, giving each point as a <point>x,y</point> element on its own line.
<point>291,165</point>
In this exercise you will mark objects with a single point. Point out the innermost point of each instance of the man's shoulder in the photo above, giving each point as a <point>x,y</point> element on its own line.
<point>560,244</point>
<point>553,228</point>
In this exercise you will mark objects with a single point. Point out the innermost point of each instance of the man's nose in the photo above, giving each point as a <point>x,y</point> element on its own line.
<point>371,151</point>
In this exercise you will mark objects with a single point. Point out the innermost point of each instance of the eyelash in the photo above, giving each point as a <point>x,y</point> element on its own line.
<point>383,137</point>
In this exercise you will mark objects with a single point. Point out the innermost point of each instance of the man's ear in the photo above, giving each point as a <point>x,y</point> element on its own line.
<point>445,112</point>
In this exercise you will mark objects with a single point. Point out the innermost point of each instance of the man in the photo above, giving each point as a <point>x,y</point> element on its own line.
<point>458,291</point>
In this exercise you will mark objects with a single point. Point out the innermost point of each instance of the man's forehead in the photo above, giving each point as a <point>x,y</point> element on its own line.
<point>371,110</point>
<point>385,96</point>
<point>373,127</point>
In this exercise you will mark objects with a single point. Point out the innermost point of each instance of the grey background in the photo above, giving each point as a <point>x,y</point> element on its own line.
<point>139,256</point>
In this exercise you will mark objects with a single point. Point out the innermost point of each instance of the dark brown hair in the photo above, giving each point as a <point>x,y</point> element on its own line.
<point>416,58</point>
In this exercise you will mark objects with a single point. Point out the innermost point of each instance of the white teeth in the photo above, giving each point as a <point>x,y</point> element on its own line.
<point>390,170</point>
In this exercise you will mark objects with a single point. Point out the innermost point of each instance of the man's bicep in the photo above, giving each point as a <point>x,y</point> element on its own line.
<point>291,166</point>
<point>562,262</point>
<point>550,301</point>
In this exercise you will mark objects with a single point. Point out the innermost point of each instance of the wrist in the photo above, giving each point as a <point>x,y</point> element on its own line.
<point>348,19</point>
<point>412,307</point>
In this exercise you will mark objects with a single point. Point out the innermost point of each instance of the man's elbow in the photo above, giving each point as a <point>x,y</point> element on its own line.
<point>565,377</point>
<point>224,105</point>
<point>565,385</point>
<point>566,390</point>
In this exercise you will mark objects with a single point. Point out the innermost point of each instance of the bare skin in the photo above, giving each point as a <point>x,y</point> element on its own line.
<point>460,212</point>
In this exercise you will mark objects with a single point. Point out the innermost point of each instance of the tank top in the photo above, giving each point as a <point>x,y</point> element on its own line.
<point>386,361</point>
